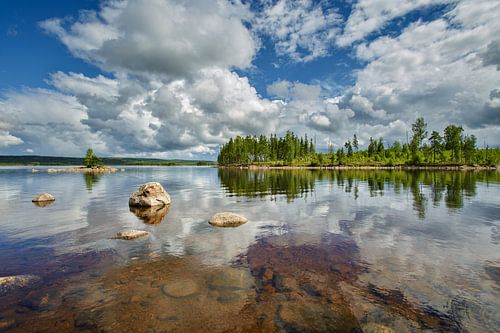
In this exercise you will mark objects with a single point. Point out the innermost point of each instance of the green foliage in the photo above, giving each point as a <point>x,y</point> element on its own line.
<point>450,148</point>
<point>436,145</point>
<point>91,160</point>
<point>453,140</point>
<point>250,149</point>
<point>419,134</point>
<point>469,148</point>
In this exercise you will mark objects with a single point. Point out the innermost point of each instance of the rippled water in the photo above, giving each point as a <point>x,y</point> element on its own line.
<point>349,251</point>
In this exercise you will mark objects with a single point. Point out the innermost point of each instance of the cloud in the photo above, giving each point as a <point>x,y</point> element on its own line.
<point>6,139</point>
<point>99,87</point>
<point>30,125</point>
<point>171,88</point>
<point>369,16</point>
<point>301,30</point>
<point>130,116</point>
<point>492,54</point>
<point>159,37</point>
<point>432,69</point>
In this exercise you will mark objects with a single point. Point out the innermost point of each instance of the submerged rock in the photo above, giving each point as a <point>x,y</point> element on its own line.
<point>181,288</point>
<point>131,234</point>
<point>149,195</point>
<point>226,219</point>
<point>8,283</point>
<point>43,197</point>
<point>231,279</point>
<point>151,215</point>
<point>315,317</point>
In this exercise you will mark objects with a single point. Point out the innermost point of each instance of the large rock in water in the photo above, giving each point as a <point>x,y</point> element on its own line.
<point>42,197</point>
<point>149,195</point>
<point>226,219</point>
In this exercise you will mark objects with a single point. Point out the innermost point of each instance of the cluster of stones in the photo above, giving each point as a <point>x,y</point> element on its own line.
<point>151,203</point>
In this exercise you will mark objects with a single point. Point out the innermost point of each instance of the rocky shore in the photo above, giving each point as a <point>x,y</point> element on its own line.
<point>366,167</point>
<point>85,170</point>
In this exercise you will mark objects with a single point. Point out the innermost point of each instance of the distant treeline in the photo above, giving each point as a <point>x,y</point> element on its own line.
<point>452,147</point>
<point>54,160</point>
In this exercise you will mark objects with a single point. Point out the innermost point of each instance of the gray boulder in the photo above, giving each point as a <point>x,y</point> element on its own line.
<point>226,219</point>
<point>149,195</point>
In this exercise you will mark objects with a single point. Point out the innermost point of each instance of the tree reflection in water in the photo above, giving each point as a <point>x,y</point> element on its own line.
<point>424,186</point>
<point>91,178</point>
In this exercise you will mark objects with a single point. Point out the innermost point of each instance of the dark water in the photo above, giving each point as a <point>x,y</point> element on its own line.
<point>350,251</point>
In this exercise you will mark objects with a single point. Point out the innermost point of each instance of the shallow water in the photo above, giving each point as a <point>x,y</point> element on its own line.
<point>370,251</point>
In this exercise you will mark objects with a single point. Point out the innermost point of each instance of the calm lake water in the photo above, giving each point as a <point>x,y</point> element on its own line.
<point>323,251</point>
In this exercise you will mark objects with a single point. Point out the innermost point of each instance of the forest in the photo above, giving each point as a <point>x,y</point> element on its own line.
<point>451,147</point>
<point>35,160</point>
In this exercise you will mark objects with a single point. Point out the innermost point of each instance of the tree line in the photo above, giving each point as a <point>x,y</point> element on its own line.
<point>452,146</point>
<point>252,149</point>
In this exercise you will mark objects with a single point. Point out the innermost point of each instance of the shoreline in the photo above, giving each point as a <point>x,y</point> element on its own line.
<point>79,169</point>
<point>365,167</point>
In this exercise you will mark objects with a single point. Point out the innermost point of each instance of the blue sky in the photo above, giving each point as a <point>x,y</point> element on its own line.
<point>169,79</point>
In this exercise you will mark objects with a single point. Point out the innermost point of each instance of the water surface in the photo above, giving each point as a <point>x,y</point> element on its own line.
<point>322,251</point>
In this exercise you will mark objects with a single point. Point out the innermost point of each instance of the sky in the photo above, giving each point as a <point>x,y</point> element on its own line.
<point>176,79</point>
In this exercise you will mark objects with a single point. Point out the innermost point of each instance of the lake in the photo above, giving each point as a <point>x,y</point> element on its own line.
<point>323,251</point>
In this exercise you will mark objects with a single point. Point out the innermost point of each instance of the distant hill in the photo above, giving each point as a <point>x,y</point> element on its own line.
<point>57,160</point>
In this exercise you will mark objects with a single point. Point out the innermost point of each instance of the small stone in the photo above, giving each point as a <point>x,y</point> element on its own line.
<point>315,317</point>
<point>227,219</point>
<point>135,299</point>
<point>232,296</point>
<point>5,324</point>
<point>131,234</point>
<point>42,197</point>
<point>376,328</point>
<point>311,290</point>
<point>180,289</point>
<point>38,303</point>
<point>284,284</point>
<point>85,321</point>
<point>232,279</point>
<point>149,195</point>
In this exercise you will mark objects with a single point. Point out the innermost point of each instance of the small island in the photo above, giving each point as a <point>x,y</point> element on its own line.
<point>92,164</point>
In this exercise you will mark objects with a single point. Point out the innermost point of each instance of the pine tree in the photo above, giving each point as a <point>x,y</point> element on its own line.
<point>436,144</point>
<point>91,160</point>
<point>453,140</point>
<point>355,142</point>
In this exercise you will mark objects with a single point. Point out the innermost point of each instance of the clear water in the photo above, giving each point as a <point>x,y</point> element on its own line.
<point>328,251</point>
